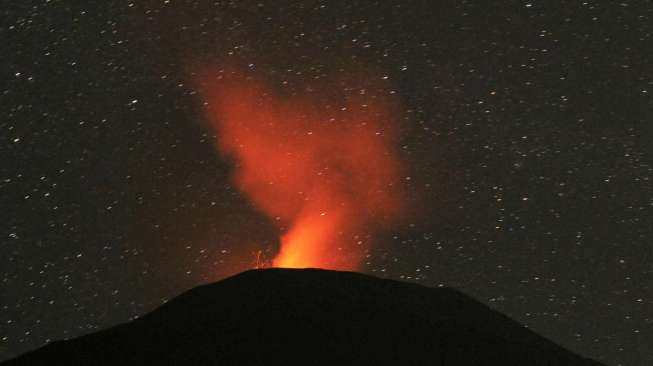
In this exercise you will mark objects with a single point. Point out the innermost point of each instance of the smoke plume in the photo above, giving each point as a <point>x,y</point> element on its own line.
<point>320,161</point>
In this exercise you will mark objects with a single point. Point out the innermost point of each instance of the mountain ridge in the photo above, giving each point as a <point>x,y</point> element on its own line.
<point>314,316</point>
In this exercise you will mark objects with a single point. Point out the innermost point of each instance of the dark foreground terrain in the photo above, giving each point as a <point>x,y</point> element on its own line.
<point>312,317</point>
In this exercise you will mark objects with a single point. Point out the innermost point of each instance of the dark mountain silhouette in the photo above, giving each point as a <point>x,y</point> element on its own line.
<point>312,317</point>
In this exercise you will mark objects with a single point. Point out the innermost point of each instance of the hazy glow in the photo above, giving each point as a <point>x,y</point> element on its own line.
<point>326,173</point>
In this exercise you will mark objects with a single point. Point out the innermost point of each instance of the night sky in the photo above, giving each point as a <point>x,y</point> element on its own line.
<point>525,139</point>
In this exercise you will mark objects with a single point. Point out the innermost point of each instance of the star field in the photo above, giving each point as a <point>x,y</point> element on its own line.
<point>525,134</point>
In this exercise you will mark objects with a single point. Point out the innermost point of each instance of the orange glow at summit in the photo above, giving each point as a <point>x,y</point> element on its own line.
<point>321,163</point>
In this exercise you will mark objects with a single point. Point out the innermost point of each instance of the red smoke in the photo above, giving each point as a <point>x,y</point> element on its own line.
<point>321,164</point>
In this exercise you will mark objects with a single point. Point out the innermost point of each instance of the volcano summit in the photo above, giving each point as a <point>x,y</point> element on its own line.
<point>312,317</point>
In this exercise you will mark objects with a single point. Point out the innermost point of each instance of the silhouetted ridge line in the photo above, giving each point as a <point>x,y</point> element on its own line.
<point>312,317</point>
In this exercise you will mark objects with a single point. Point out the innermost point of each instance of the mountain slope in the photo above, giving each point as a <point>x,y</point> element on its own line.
<point>312,317</point>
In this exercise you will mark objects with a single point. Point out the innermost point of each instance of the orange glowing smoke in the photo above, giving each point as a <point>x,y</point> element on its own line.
<point>321,164</point>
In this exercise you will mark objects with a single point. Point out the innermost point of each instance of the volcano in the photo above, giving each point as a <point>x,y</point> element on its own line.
<point>312,317</point>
